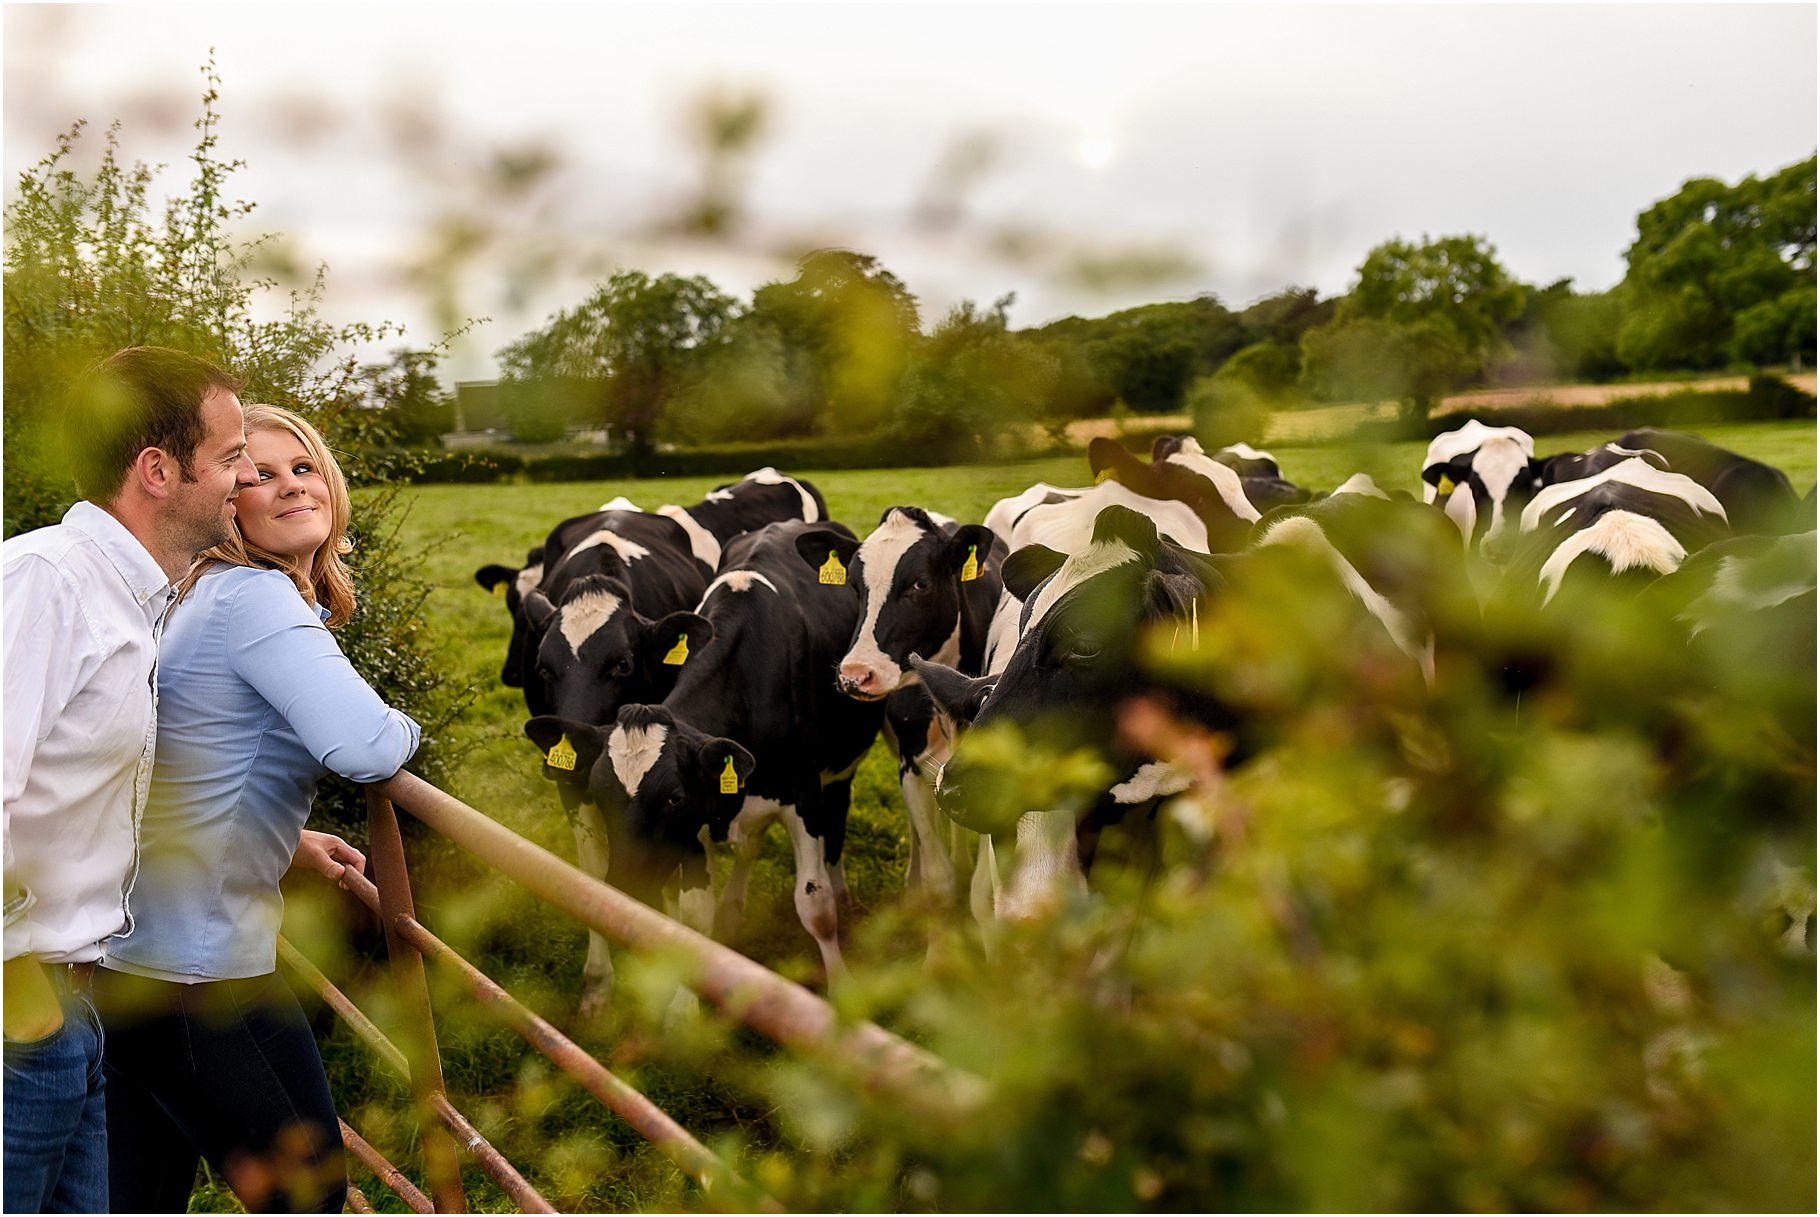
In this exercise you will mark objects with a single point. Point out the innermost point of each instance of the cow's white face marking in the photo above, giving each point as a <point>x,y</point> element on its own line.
<point>1410,639</point>
<point>1498,464</point>
<point>882,551</point>
<point>629,551</point>
<point>736,581</point>
<point>1463,509</point>
<point>1624,539</point>
<point>527,579</point>
<point>1634,471</point>
<point>1225,482</point>
<point>1470,438</point>
<point>701,542</point>
<point>580,617</point>
<point>633,751</point>
<point>1096,559</point>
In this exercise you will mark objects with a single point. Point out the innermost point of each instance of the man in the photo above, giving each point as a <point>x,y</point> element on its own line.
<point>157,441</point>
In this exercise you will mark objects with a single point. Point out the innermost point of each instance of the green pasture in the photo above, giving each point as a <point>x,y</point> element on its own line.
<point>597,1161</point>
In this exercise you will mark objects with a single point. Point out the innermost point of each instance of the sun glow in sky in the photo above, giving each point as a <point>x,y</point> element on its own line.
<point>976,150</point>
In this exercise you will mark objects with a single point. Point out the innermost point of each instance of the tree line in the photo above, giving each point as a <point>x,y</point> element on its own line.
<point>1719,276</point>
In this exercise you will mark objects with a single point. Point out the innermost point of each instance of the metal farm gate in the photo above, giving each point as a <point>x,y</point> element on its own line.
<point>863,1054</point>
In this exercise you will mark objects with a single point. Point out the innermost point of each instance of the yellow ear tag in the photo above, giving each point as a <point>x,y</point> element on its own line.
<point>832,572</point>
<point>1104,475</point>
<point>499,589</point>
<point>561,755</point>
<point>1445,485</point>
<point>970,569</point>
<point>678,654</point>
<point>729,780</point>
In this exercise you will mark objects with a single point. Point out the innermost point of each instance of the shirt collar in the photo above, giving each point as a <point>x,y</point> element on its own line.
<point>143,576</point>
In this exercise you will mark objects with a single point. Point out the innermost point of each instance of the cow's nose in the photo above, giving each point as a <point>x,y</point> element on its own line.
<point>857,679</point>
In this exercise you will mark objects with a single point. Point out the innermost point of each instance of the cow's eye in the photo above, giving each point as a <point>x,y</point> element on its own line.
<point>921,585</point>
<point>1081,650</point>
<point>623,667</point>
<point>677,799</point>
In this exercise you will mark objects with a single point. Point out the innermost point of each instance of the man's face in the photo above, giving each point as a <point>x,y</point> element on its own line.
<point>202,512</point>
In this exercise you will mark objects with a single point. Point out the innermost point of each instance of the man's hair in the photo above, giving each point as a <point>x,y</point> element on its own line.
<point>137,398</point>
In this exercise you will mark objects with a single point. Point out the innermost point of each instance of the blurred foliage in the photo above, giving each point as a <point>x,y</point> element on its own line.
<point>91,267</point>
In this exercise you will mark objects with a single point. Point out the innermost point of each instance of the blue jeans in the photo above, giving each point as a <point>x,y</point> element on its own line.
<point>56,1118</point>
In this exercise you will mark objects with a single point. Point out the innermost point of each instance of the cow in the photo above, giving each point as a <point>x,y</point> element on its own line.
<point>1217,494</point>
<point>925,587</point>
<point>759,498</point>
<point>1079,657</point>
<point>1481,476</point>
<point>1573,466</point>
<point>765,679</point>
<point>1631,521</point>
<point>1757,497</point>
<point>1003,516</point>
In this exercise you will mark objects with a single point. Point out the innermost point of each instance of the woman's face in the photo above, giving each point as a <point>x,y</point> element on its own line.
<point>288,512</point>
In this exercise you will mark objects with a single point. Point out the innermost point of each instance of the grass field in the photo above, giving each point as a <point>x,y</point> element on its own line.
<point>538,953</point>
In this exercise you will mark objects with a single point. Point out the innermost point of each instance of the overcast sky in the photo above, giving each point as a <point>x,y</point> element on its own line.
<point>1085,157</point>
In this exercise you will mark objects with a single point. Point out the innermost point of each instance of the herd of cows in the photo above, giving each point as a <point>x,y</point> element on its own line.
<point>693,673</point>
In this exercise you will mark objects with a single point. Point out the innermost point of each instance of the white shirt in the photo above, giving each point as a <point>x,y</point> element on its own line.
<point>82,607</point>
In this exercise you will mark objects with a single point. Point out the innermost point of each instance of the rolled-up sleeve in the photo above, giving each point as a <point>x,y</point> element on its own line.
<point>282,650</point>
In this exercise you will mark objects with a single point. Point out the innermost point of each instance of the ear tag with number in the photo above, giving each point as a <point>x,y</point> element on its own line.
<point>970,569</point>
<point>678,654</point>
<point>499,589</point>
<point>729,780</point>
<point>832,572</point>
<point>1445,485</point>
<point>561,755</point>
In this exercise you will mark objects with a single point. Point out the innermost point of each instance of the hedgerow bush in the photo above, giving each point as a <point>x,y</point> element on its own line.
<point>92,266</point>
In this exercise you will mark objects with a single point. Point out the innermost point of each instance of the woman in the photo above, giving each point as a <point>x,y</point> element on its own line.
<point>208,1053</point>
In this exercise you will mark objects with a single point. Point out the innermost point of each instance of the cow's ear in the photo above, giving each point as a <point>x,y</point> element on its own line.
<point>726,767</point>
<point>957,695</point>
<point>1165,446</point>
<point>1171,594</point>
<point>1028,567</point>
<point>1121,523</point>
<point>1110,461</point>
<point>672,641</point>
<point>817,544</point>
<point>969,549</point>
<point>1445,475</point>
<point>538,609</point>
<point>569,748</point>
<point>493,574</point>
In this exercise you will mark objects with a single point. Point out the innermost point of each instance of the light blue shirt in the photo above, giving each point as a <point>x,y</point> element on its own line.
<point>256,704</point>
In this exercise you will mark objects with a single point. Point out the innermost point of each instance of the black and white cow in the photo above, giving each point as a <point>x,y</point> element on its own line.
<point>1631,520</point>
<point>1757,497</point>
<point>765,679</point>
<point>1260,475</point>
<point>926,587</point>
<point>1481,476</point>
<point>1078,658</point>
<point>1573,466</point>
<point>1217,494</point>
<point>762,497</point>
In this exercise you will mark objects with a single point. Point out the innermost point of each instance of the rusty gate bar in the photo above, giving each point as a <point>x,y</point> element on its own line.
<point>718,1181</point>
<point>780,1009</point>
<point>448,1119</point>
<point>343,1005</point>
<point>384,1171</point>
<point>515,1185</point>
<point>357,1200</point>
<point>413,993</point>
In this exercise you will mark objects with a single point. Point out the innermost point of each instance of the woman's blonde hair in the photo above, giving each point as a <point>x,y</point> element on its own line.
<point>328,582</point>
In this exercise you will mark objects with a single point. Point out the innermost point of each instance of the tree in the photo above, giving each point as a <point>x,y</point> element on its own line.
<point>1422,319</point>
<point>1147,356</point>
<point>1722,273</point>
<point>637,341</point>
<point>414,407</point>
<point>972,381</point>
<point>848,328</point>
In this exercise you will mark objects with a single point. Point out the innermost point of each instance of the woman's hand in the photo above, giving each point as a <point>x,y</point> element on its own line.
<point>327,853</point>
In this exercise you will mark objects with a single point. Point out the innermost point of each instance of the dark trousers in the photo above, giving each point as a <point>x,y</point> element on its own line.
<point>225,1070</point>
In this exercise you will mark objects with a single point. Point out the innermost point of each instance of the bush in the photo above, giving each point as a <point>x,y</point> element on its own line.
<point>1228,411</point>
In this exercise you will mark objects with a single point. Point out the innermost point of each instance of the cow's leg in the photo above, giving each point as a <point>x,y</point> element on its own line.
<point>816,897</point>
<point>694,907</point>
<point>1047,869</point>
<point>591,856</point>
<point>931,863</point>
<point>746,834</point>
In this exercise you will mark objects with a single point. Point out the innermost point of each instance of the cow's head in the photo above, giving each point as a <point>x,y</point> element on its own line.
<point>1179,469</point>
<point>513,583</point>
<point>597,653</point>
<point>658,783</point>
<point>1484,492</point>
<point>909,576</point>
